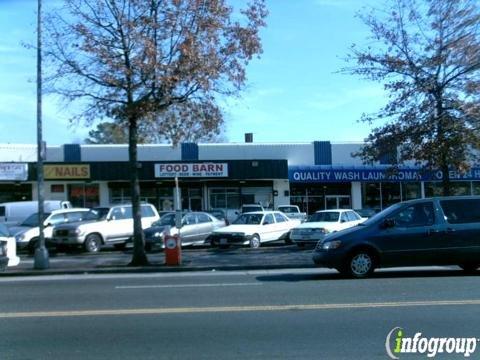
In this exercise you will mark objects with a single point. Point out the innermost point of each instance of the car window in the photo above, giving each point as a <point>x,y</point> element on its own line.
<point>203,218</point>
<point>32,220</point>
<point>415,215</point>
<point>344,218</point>
<point>76,216</point>
<point>268,219</point>
<point>280,218</point>
<point>325,216</point>
<point>121,213</point>
<point>248,219</point>
<point>4,230</point>
<point>57,219</point>
<point>147,211</point>
<point>166,220</point>
<point>287,209</point>
<point>461,211</point>
<point>352,216</point>
<point>2,210</point>
<point>189,219</point>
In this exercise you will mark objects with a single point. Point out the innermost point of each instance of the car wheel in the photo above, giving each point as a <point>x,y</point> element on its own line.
<point>92,243</point>
<point>32,245</point>
<point>360,264</point>
<point>255,242</point>
<point>469,268</point>
<point>288,241</point>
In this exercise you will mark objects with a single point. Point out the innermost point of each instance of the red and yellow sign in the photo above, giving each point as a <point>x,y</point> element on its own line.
<point>66,172</point>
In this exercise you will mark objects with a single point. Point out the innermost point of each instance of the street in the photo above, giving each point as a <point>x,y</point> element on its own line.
<point>277,314</point>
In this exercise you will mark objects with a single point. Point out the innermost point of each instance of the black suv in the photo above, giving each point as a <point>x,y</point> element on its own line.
<point>421,232</point>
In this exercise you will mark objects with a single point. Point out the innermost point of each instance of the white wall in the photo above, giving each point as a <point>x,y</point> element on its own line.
<point>281,186</point>
<point>296,154</point>
<point>342,154</point>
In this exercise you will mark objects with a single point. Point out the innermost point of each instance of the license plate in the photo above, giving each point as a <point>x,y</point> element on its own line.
<point>223,241</point>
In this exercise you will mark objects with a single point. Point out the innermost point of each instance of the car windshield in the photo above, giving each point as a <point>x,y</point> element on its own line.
<point>287,209</point>
<point>326,216</point>
<point>32,220</point>
<point>166,220</point>
<point>251,208</point>
<point>249,219</point>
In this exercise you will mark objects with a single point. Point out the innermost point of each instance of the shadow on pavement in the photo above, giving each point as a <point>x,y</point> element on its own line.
<point>385,274</point>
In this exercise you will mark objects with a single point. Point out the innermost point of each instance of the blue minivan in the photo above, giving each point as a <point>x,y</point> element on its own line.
<point>421,232</point>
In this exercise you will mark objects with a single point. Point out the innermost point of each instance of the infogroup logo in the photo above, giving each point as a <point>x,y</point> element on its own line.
<point>397,343</point>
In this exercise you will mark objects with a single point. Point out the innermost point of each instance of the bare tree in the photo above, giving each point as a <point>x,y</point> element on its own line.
<point>427,55</point>
<point>131,60</point>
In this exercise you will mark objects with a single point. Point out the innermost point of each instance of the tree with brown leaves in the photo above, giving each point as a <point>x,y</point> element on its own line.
<point>427,55</point>
<point>132,60</point>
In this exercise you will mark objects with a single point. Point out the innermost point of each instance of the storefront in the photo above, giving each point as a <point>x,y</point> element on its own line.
<point>377,187</point>
<point>12,182</point>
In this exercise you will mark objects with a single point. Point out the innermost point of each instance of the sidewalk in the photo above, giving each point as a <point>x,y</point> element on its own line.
<point>274,257</point>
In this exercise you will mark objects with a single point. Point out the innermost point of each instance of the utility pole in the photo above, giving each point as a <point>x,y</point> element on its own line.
<point>41,260</point>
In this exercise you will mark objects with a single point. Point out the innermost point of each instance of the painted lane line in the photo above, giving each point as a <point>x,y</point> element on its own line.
<point>185,285</point>
<point>229,309</point>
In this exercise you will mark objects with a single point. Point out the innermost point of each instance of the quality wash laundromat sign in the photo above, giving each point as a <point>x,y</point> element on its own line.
<point>191,170</point>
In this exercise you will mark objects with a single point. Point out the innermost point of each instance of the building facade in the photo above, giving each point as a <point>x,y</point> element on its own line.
<point>315,176</point>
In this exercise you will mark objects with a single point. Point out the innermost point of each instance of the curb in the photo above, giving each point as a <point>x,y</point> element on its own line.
<point>148,269</point>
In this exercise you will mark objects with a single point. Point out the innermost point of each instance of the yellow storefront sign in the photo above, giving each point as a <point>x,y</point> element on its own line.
<point>66,172</point>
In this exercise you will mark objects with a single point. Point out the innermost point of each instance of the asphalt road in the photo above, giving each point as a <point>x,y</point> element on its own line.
<point>289,314</point>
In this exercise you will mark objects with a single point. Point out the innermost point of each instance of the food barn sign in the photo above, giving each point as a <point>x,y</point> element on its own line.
<point>191,170</point>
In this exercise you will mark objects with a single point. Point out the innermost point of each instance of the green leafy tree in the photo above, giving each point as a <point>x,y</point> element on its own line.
<point>132,60</point>
<point>427,55</point>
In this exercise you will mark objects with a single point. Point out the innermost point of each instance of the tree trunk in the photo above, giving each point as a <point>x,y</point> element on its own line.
<point>139,257</point>
<point>445,180</point>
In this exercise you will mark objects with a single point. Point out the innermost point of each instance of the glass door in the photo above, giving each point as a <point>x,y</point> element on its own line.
<point>337,202</point>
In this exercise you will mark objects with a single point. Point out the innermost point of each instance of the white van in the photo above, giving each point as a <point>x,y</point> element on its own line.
<point>8,249</point>
<point>17,211</point>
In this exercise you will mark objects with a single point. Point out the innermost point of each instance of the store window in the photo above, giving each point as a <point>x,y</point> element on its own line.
<point>390,194</point>
<point>456,188</point>
<point>371,196</point>
<point>224,198</point>
<point>84,195</point>
<point>411,191</point>
<point>15,192</point>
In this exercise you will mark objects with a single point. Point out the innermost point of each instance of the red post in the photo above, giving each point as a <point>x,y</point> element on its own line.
<point>173,250</point>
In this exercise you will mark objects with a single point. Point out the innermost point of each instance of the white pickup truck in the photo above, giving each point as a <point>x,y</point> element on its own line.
<point>293,212</point>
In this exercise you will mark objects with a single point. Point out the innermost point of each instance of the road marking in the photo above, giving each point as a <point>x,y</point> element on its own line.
<point>185,285</point>
<point>231,309</point>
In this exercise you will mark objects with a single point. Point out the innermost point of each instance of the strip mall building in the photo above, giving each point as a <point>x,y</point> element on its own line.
<point>315,176</point>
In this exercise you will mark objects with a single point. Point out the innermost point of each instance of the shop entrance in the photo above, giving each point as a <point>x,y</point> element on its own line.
<point>337,202</point>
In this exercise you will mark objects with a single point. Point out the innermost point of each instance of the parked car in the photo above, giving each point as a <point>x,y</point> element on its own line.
<point>27,233</point>
<point>8,249</point>
<point>196,226</point>
<point>220,215</point>
<point>293,212</point>
<point>15,212</point>
<point>254,228</point>
<point>323,222</point>
<point>367,213</point>
<point>251,208</point>
<point>115,228</point>
<point>434,231</point>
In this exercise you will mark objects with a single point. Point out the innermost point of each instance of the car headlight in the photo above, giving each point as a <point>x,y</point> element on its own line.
<point>239,234</point>
<point>78,232</point>
<point>158,234</point>
<point>330,245</point>
<point>321,230</point>
<point>19,237</point>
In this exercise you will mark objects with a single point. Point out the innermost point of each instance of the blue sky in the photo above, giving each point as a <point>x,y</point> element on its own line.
<point>294,93</point>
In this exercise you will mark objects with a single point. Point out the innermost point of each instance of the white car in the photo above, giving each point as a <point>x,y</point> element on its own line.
<point>27,233</point>
<point>323,222</point>
<point>253,228</point>
<point>115,228</point>
<point>8,249</point>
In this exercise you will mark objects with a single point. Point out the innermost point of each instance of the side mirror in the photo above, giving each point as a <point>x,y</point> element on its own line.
<point>388,223</point>
<point>47,224</point>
